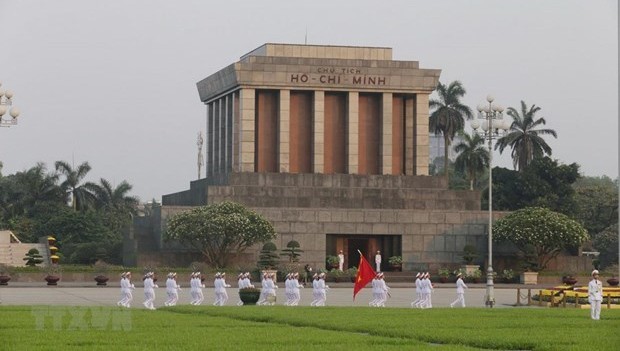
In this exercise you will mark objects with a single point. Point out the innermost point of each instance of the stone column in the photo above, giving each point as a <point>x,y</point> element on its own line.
<point>285,106</point>
<point>353,122</point>
<point>386,148</point>
<point>248,138</point>
<point>421,134</point>
<point>319,131</point>
<point>410,138</point>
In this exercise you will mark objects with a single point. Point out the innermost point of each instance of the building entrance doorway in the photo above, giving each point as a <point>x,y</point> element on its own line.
<point>389,245</point>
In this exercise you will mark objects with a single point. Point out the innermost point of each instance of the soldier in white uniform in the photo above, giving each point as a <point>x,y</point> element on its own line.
<point>263,291</point>
<point>199,286</point>
<point>124,286</point>
<point>126,290</point>
<point>595,296</point>
<point>296,287</point>
<point>149,290</point>
<point>375,291</point>
<point>192,288</point>
<point>217,289</point>
<point>417,299</point>
<point>241,285</point>
<point>322,290</point>
<point>172,289</point>
<point>460,291</point>
<point>384,291</point>
<point>315,289</point>
<point>340,260</point>
<point>288,289</point>
<point>223,286</point>
<point>378,261</point>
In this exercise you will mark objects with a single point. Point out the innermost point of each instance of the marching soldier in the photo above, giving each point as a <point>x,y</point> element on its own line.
<point>172,289</point>
<point>296,287</point>
<point>149,290</point>
<point>460,291</point>
<point>322,290</point>
<point>315,289</point>
<point>417,300</point>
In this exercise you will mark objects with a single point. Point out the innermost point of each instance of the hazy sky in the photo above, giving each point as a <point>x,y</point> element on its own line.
<point>114,82</point>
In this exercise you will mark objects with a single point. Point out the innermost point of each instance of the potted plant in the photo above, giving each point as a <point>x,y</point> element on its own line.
<point>444,274</point>
<point>332,262</point>
<point>102,269</point>
<point>53,275</point>
<point>470,254</point>
<point>475,276</point>
<point>268,259</point>
<point>4,274</point>
<point>569,279</point>
<point>352,273</point>
<point>396,262</point>
<point>508,276</point>
<point>249,296</point>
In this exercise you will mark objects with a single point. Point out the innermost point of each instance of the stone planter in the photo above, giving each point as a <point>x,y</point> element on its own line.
<point>4,279</point>
<point>102,280</point>
<point>397,267</point>
<point>470,269</point>
<point>612,281</point>
<point>529,278</point>
<point>52,279</point>
<point>568,280</point>
<point>249,296</point>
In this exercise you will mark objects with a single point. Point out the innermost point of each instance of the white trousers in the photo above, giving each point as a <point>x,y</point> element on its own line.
<point>460,299</point>
<point>595,309</point>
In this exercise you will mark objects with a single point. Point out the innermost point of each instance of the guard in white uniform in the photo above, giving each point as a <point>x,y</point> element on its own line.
<point>322,290</point>
<point>375,291</point>
<point>417,299</point>
<point>341,260</point>
<point>263,291</point>
<point>199,286</point>
<point>296,287</point>
<point>172,289</point>
<point>460,291</point>
<point>240,285</point>
<point>223,286</point>
<point>378,261</point>
<point>315,289</point>
<point>595,296</point>
<point>383,291</point>
<point>126,290</point>
<point>149,290</point>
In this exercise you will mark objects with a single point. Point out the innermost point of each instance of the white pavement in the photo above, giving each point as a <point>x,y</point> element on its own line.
<point>338,296</point>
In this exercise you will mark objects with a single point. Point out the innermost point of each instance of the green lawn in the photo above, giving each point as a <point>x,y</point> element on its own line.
<point>305,328</point>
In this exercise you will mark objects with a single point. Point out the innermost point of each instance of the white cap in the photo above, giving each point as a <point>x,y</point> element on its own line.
<point>594,272</point>
<point>417,275</point>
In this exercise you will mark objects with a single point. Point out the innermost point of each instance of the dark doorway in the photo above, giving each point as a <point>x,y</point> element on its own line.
<point>389,245</point>
<point>354,256</point>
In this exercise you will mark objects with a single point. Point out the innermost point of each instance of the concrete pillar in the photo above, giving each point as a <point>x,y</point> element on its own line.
<point>353,121</point>
<point>319,131</point>
<point>285,106</point>
<point>410,138</point>
<point>247,114</point>
<point>386,148</point>
<point>421,135</point>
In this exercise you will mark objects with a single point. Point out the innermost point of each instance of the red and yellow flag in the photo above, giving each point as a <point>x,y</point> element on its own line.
<point>365,274</point>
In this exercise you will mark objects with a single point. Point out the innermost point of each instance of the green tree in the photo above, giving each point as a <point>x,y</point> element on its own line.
<point>524,138</point>
<point>545,183</point>
<point>114,202</point>
<point>292,251</point>
<point>473,157</point>
<point>540,229</point>
<point>597,203</point>
<point>80,196</point>
<point>220,230</point>
<point>33,258</point>
<point>606,242</point>
<point>448,114</point>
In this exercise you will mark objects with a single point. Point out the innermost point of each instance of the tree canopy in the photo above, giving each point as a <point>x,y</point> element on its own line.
<point>219,231</point>
<point>539,229</point>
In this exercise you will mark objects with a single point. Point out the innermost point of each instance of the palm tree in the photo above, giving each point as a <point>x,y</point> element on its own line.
<point>472,157</point>
<point>108,197</point>
<point>525,140</point>
<point>116,205</point>
<point>448,116</point>
<point>80,197</point>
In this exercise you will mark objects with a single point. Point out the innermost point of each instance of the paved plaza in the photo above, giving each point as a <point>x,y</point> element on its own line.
<point>338,295</point>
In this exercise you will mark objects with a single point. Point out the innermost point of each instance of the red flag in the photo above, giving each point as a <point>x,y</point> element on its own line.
<point>365,274</point>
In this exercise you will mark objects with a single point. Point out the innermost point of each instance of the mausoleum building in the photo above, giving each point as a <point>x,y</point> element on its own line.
<point>331,144</point>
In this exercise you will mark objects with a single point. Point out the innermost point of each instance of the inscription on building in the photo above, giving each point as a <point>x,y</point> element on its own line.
<point>336,76</point>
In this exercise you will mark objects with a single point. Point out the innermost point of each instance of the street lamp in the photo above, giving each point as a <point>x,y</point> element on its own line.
<point>6,102</point>
<point>492,126</point>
